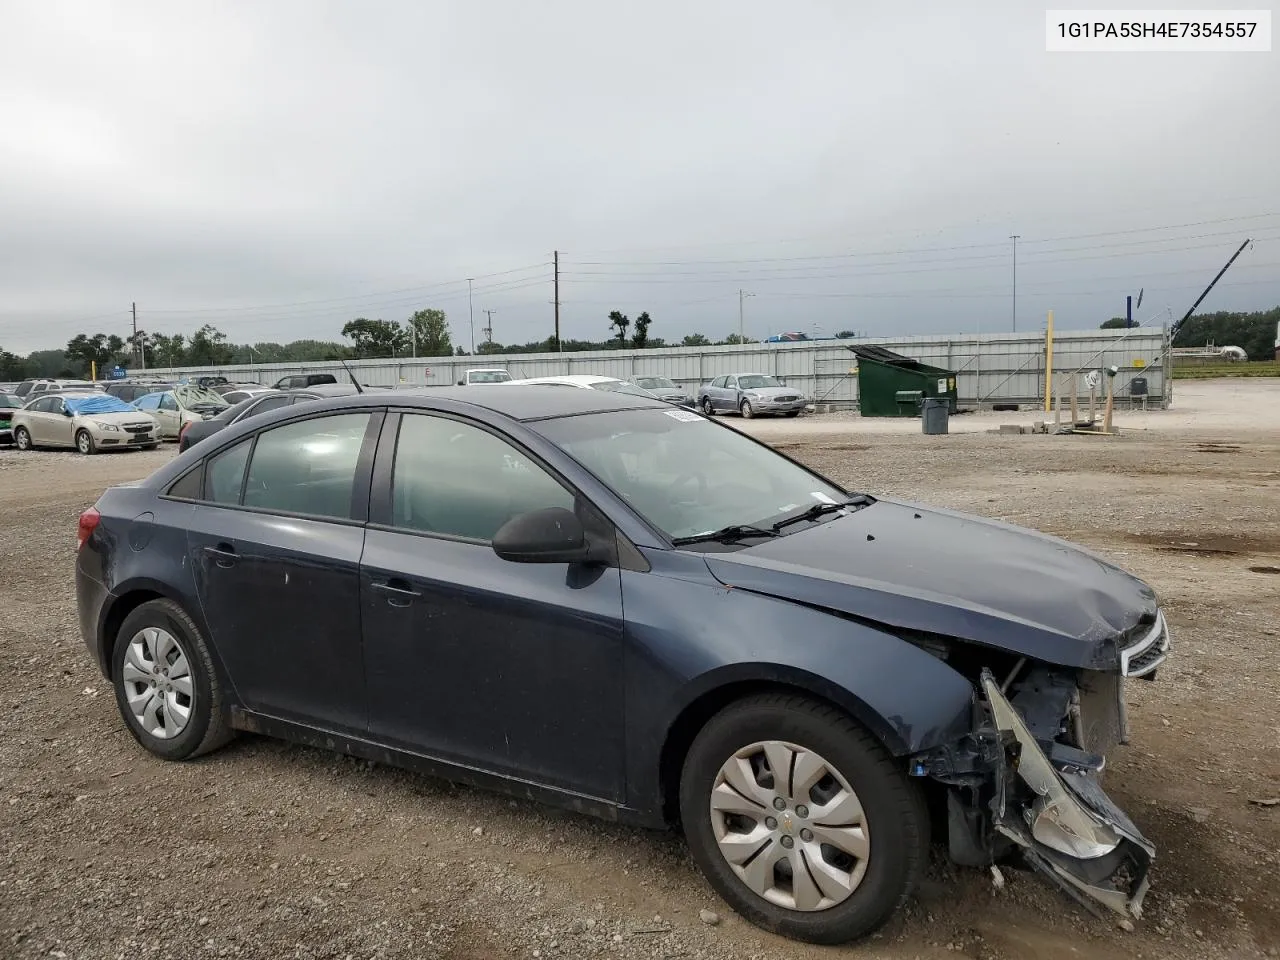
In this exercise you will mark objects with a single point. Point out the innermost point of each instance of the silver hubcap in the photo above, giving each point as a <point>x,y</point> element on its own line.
<point>157,683</point>
<point>790,826</point>
<point>24,441</point>
<point>84,443</point>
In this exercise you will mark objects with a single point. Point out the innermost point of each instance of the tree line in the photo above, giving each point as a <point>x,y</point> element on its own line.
<point>424,334</point>
<point>1253,332</point>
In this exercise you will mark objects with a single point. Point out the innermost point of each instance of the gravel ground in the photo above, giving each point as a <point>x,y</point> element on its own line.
<point>270,850</point>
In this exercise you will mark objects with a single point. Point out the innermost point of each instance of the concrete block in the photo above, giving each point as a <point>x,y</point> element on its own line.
<point>1010,428</point>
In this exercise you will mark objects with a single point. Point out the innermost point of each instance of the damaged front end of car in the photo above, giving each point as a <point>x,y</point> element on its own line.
<point>1026,780</point>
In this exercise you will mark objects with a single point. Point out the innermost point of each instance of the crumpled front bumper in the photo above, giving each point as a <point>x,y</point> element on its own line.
<point>1070,830</point>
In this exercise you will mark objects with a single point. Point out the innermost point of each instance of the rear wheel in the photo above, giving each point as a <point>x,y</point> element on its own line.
<point>793,413</point>
<point>22,439</point>
<point>801,820</point>
<point>167,689</point>
<point>84,442</point>
<point>707,407</point>
<point>747,410</point>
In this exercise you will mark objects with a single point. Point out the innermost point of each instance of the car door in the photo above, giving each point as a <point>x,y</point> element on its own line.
<point>514,668</point>
<point>169,414</point>
<point>726,396</point>
<point>59,425</point>
<point>37,418</point>
<point>275,547</point>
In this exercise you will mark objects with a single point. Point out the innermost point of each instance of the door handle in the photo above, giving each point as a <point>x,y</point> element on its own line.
<point>398,592</point>
<point>223,554</point>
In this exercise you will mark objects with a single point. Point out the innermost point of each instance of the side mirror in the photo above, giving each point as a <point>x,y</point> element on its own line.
<point>553,535</point>
<point>67,413</point>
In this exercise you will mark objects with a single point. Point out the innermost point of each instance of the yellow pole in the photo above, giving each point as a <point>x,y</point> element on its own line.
<point>93,369</point>
<point>1048,362</point>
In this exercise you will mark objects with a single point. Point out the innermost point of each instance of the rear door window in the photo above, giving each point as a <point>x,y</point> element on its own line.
<point>224,474</point>
<point>308,467</point>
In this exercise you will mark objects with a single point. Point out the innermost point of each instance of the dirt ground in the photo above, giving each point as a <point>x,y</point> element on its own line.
<point>270,850</point>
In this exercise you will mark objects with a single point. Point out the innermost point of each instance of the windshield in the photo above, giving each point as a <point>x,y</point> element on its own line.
<point>8,400</point>
<point>656,383</point>
<point>684,474</point>
<point>488,376</point>
<point>190,396</point>
<point>755,381</point>
<point>621,386</point>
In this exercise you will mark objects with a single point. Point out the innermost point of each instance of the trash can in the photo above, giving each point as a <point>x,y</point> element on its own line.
<point>1138,387</point>
<point>908,402</point>
<point>935,413</point>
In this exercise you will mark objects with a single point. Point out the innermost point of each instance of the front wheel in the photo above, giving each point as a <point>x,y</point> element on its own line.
<point>84,442</point>
<point>167,689</point>
<point>707,407</point>
<point>800,820</point>
<point>22,439</point>
<point>747,410</point>
<point>793,413</point>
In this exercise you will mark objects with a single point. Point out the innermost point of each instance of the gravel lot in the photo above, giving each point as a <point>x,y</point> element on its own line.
<point>270,850</point>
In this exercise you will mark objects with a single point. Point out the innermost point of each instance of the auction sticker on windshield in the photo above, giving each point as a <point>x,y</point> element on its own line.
<point>684,416</point>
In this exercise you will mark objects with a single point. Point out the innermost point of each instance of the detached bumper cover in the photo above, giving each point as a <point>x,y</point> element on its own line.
<point>1072,831</point>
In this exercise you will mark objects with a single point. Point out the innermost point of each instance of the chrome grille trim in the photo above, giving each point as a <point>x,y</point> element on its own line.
<point>1144,656</point>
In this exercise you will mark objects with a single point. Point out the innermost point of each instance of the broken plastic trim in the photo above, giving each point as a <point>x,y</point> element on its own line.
<point>1072,832</point>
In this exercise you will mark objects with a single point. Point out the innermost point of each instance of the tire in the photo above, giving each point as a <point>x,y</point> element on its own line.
<point>747,410</point>
<point>893,831</point>
<point>793,413</point>
<point>206,726</point>
<point>707,407</point>
<point>85,444</point>
<point>22,439</point>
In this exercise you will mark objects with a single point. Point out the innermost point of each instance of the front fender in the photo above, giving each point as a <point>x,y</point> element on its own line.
<point>691,637</point>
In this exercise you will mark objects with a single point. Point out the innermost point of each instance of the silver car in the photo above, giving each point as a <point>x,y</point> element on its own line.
<point>752,395</point>
<point>89,422</point>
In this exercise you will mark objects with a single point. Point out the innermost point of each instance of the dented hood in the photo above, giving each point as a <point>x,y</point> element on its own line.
<point>921,568</point>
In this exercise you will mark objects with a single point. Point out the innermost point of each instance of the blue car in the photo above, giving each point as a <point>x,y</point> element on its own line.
<point>601,601</point>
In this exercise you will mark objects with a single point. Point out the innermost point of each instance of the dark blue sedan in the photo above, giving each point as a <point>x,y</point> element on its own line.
<point>633,611</point>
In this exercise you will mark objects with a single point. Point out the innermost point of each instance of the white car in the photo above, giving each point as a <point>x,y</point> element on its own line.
<point>586,381</point>
<point>185,403</point>
<point>89,422</point>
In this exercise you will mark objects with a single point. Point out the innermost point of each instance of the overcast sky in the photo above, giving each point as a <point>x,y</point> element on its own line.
<point>277,168</point>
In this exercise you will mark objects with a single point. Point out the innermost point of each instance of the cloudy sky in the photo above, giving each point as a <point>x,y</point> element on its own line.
<point>279,168</point>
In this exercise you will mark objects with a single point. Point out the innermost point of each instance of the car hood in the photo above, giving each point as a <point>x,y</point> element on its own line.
<point>665,393</point>
<point>772,392</point>
<point>918,568</point>
<point>119,419</point>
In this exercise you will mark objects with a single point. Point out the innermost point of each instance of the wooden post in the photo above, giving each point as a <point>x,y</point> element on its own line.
<point>1057,407</point>
<point>1075,410</point>
<point>1093,403</point>
<point>1111,399</point>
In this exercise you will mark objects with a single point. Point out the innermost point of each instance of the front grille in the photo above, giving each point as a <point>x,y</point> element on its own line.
<point>138,427</point>
<point>1149,649</point>
<point>786,398</point>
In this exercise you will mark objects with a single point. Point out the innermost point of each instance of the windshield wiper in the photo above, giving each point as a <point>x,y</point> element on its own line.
<point>821,509</point>
<point>735,531</point>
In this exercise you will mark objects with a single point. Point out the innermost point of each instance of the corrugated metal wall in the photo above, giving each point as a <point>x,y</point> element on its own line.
<point>991,368</point>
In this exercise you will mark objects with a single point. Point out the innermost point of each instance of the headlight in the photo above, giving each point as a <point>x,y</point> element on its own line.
<point>109,427</point>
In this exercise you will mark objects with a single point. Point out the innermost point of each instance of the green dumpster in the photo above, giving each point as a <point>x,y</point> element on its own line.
<point>886,378</point>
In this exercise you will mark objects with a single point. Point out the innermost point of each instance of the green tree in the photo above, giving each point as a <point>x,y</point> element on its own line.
<point>13,367</point>
<point>695,340</point>
<point>430,329</point>
<point>846,334</point>
<point>1115,323</point>
<point>376,338</point>
<point>99,351</point>
<point>490,346</point>
<point>1254,332</point>
<point>734,339</point>
<point>208,347</point>
<point>618,321</point>
<point>641,338</point>
<point>166,351</point>
<point>47,363</point>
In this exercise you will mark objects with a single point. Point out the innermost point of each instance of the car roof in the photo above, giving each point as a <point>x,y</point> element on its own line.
<point>524,403</point>
<point>571,379</point>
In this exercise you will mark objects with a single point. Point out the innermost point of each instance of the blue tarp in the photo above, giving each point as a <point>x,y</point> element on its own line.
<point>100,404</point>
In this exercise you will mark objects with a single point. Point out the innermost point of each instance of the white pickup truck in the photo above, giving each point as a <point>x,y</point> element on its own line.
<point>484,375</point>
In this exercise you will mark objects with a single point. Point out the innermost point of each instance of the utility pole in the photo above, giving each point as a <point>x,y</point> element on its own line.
<point>471,310</point>
<point>137,344</point>
<point>488,330</point>
<point>413,338</point>
<point>1014,238</point>
<point>556,296</point>
<point>742,295</point>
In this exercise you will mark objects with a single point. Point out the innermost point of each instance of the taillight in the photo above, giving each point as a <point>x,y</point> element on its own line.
<point>88,523</point>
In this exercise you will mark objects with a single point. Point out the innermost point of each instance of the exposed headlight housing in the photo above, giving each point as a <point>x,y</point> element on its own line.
<point>108,427</point>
